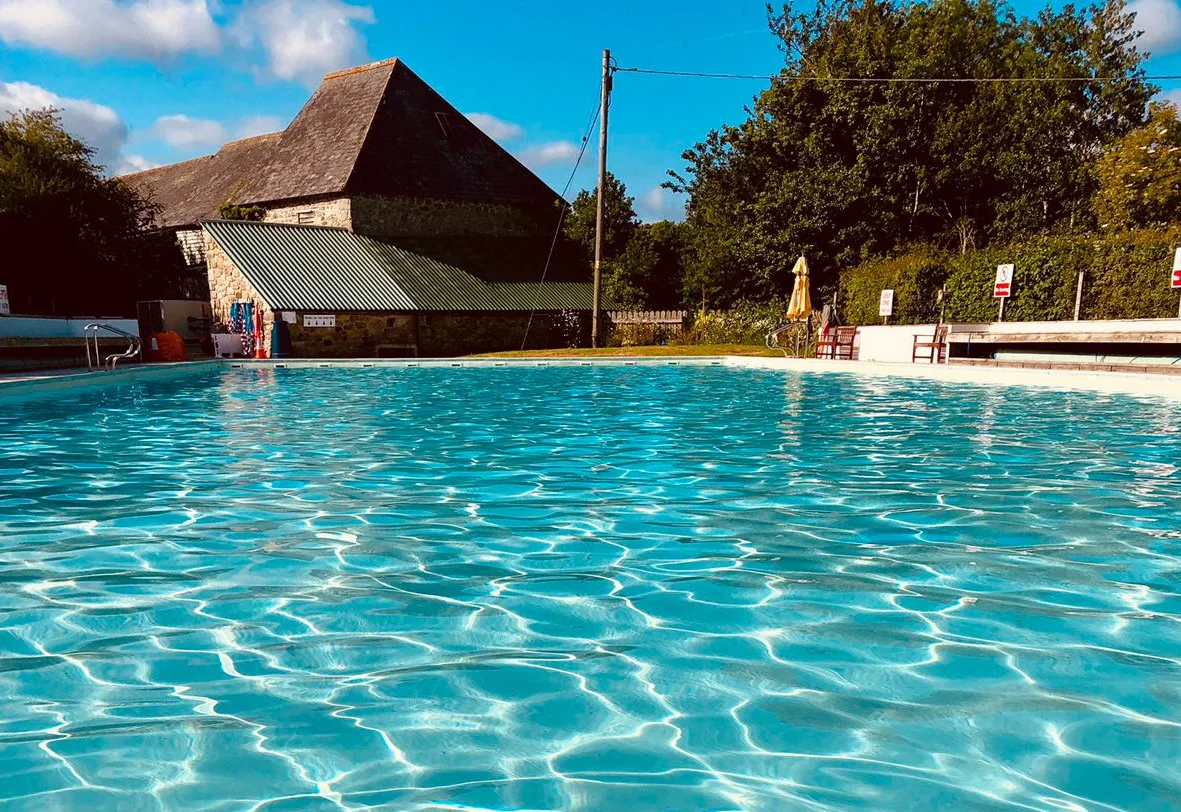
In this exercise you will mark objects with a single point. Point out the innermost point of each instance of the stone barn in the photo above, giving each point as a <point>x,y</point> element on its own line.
<point>388,217</point>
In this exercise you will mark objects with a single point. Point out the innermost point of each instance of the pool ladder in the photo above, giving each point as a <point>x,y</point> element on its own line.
<point>95,360</point>
<point>772,339</point>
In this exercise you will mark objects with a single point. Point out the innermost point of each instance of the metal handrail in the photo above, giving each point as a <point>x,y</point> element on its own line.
<point>134,345</point>
<point>772,339</point>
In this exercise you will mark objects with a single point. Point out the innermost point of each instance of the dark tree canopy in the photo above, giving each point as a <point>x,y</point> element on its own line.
<point>648,274</point>
<point>619,220</point>
<point>840,171</point>
<point>77,242</point>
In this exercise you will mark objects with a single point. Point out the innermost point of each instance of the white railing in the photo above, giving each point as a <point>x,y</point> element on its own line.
<point>91,335</point>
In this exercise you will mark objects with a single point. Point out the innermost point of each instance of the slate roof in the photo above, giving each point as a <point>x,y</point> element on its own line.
<point>377,129</point>
<point>191,191</point>
<point>332,269</point>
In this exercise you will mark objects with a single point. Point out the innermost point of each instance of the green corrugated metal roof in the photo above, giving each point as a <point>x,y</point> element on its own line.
<point>317,268</point>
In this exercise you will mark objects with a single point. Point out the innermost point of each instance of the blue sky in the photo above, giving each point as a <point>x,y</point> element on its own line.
<point>150,82</point>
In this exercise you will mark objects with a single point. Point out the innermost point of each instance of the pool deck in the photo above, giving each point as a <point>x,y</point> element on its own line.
<point>1119,381</point>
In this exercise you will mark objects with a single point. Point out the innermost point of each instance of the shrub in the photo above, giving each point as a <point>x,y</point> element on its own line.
<point>1043,282</point>
<point>746,323</point>
<point>574,326</point>
<point>914,277</point>
<point>1130,278</point>
<point>1126,276</point>
<point>232,211</point>
<point>637,335</point>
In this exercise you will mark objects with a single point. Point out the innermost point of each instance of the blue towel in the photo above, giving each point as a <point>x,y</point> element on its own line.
<point>247,317</point>
<point>235,316</point>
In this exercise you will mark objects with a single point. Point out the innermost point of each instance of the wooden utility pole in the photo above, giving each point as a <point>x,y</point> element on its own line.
<point>605,101</point>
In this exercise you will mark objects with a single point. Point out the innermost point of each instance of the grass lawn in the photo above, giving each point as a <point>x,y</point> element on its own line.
<point>631,352</point>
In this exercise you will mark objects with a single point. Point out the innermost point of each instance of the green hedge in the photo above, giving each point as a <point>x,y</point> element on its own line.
<point>915,279</point>
<point>1127,276</point>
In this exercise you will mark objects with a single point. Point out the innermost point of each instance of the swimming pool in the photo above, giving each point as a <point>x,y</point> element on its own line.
<point>599,588</point>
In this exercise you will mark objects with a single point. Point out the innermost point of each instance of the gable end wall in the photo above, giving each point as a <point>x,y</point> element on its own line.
<point>392,217</point>
<point>335,211</point>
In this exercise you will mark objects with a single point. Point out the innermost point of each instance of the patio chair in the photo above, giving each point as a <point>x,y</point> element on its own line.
<point>843,339</point>
<point>932,350</point>
<point>825,343</point>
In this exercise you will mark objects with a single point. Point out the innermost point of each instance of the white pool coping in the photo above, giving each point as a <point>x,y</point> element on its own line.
<point>1160,386</point>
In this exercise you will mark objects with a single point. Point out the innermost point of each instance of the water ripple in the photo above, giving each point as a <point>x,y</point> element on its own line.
<point>585,589</point>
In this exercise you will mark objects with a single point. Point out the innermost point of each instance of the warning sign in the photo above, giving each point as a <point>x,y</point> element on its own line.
<point>1003,288</point>
<point>1177,269</point>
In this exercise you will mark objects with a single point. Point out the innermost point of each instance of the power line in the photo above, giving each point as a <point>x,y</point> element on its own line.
<point>893,80</point>
<point>561,219</point>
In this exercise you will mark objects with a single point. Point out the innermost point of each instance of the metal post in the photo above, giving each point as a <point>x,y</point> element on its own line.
<point>1001,315</point>
<point>605,102</point>
<point>1078,296</point>
<point>1179,308</point>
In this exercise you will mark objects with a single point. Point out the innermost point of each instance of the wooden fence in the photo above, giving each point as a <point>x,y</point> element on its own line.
<point>672,320</point>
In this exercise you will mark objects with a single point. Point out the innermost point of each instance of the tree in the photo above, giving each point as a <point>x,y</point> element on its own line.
<point>1140,175</point>
<point>619,220</point>
<point>77,242</point>
<point>649,274</point>
<point>841,171</point>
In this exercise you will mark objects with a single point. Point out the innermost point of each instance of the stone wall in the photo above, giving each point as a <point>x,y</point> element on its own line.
<point>427,217</point>
<point>356,335</point>
<point>448,334</point>
<point>227,285</point>
<point>331,212</point>
<point>373,335</point>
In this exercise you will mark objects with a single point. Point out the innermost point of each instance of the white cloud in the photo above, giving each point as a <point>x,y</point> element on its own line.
<point>183,132</point>
<point>97,125</point>
<point>1160,20</point>
<point>304,39</point>
<point>555,152</point>
<point>659,203</point>
<point>259,125</point>
<point>654,200</point>
<point>1173,95</point>
<point>495,128</point>
<point>134,163</point>
<point>142,29</point>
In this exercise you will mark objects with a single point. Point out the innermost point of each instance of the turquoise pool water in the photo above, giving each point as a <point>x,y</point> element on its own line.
<point>600,588</point>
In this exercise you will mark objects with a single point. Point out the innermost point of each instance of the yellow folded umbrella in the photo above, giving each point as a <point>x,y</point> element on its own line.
<point>800,306</point>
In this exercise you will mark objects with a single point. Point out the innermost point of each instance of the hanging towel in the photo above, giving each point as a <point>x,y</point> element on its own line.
<point>235,316</point>
<point>247,329</point>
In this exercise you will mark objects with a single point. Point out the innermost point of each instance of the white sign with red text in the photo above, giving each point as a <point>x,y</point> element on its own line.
<point>1177,269</point>
<point>1003,287</point>
<point>886,304</point>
